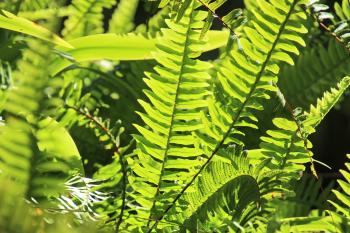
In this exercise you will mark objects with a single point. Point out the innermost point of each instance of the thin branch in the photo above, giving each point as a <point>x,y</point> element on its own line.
<point>219,18</point>
<point>116,150</point>
<point>327,29</point>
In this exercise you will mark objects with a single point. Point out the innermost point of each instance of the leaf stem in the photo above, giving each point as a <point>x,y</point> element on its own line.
<point>116,151</point>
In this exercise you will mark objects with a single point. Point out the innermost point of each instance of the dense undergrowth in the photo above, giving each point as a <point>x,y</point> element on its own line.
<point>109,126</point>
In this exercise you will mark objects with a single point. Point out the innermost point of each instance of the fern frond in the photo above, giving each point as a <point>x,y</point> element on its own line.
<point>309,197</point>
<point>315,72</point>
<point>33,170</point>
<point>165,150</point>
<point>123,17</point>
<point>231,20</point>
<point>336,221</point>
<point>245,80</point>
<point>343,204</point>
<point>316,113</point>
<point>35,4</point>
<point>114,174</point>
<point>341,26</point>
<point>231,190</point>
<point>340,29</point>
<point>44,14</point>
<point>285,147</point>
<point>86,18</point>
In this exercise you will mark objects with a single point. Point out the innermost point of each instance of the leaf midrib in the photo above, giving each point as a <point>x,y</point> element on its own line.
<point>236,116</point>
<point>173,114</point>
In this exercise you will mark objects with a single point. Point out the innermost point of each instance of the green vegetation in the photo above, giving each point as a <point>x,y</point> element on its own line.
<point>169,125</point>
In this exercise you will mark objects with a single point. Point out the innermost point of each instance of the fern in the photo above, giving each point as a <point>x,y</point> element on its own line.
<point>340,28</point>
<point>324,105</point>
<point>285,146</point>
<point>245,96</point>
<point>168,145</point>
<point>222,138</point>
<point>122,19</point>
<point>304,83</point>
<point>342,205</point>
<point>36,174</point>
<point>228,190</point>
<point>86,17</point>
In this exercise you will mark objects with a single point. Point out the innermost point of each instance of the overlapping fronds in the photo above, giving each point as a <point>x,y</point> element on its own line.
<point>316,70</point>
<point>231,190</point>
<point>166,154</point>
<point>112,177</point>
<point>86,17</point>
<point>285,146</point>
<point>308,194</point>
<point>337,220</point>
<point>30,167</point>
<point>246,80</point>
<point>197,165</point>
<point>231,20</point>
<point>297,210</point>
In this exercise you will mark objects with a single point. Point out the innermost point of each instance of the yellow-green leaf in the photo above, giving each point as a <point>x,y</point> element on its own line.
<point>12,22</point>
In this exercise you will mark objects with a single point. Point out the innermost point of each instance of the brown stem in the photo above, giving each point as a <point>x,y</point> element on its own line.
<point>116,151</point>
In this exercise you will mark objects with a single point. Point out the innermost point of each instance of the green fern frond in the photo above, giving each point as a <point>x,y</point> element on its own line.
<point>123,17</point>
<point>33,170</point>
<point>247,79</point>
<point>308,198</point>
<point>285,147</point>
<point>340,27</point>
<point>231,190</point>
<point>316,70</point>
<point>155,23</point>
<point>342,10</point>
<point>35,4</point>
<point>231,20</point>
<point>316,113</point>
<point>334,221</point>
<point>343,204</point>
<point>86,18</point>
<point>165,150</point>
